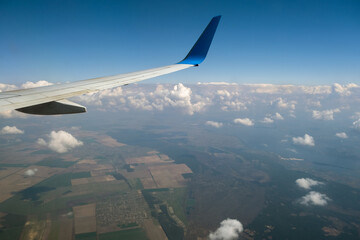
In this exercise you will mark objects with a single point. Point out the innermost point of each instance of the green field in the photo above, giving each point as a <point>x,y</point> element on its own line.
<point>12,226</point>
<point>86,236</point>
<point>175,199</point>
<point>55,162</point>
<point>52,194</point>
<point>136,184</point>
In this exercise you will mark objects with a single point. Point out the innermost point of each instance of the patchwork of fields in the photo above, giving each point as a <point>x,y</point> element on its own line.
<point>79,197</point>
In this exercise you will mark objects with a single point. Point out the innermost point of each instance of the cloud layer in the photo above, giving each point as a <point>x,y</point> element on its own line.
<point>229,230</point>
<point>307,140</point>
<point>11,130</point>
<point>60,141</point>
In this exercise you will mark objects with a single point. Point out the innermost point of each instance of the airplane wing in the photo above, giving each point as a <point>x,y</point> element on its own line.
<point>52,100</point>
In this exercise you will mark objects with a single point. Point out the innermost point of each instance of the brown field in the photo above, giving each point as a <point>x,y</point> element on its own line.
<point>70,158</point>
<point>85,220</point>
<point>154,232</point>
<point>110,142</point>
<point>87,161</point>
<point>145,159</point>
<point>169,175</point>
<point>66,229</point>
<point>164,157</point>
<point>148,183</point>
<point>81,166</point>
<point>140,172</point>
<point>100,172</point>
<point>22,153</point>
<point>18,181</point>
<point>153,152</point>
<point>36,229</point>
<point>4,172</point>
<point>79,181</point>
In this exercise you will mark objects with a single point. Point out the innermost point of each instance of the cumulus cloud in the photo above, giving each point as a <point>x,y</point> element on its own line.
<point>244,121</point>
<point>271,88</point>
<point>307,140</point>
<point>229,230</point>
<point>164,96</point>
<point>282,103</point>
<point>278,116</point>
<point>214,124</point>
<point>315,198</point>
<point>12,114</point>
<point>233,105</point>
<point>342,135</point>
<point>307,183</point>
<point>30,172</point>
<point>326,114</point>
<point>40,83</point>
<point>11,130</point>
<point>356,124</point>
<point>223,93</point>
<point>216,83</point>
<point>288,89</point>
<point>60,141</point>
<point>344,90</point>
<point>7,87</point>
<point>267,120</point>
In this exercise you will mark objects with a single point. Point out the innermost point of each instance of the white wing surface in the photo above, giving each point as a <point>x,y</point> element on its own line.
<point>51,100</point>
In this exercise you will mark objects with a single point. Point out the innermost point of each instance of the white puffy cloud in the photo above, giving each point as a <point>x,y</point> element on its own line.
<point>315,198</point>
<point>278,116</point>
<point>325,114</point>
<point>342,135</point>
<point>271,88</point>
<point>229,230</point>
<point>244,121</point>
<point>7,87</point>
<point>11,130</point>
<point>287,89</point>
<point>356,123</point>
<point>40,83</point>
<point>30,172</point>
<point>223,92</point>
<point>282,103</point>
<point>344,90</point>
<point>307,140</point>
<point>60,141</point>
<point>307,183</point>
<point>12,114</point>
<point>233,105</point>
<point>214,124</point>
<point>216,83</point>
<point>267,120</point>
<point>316,90</point>
<point>142,98</point>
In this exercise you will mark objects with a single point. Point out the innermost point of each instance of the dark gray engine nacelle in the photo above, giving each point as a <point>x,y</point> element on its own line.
<point>54,108</point>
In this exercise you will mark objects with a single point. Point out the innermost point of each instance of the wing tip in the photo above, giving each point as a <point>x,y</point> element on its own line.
<point>200,49</point>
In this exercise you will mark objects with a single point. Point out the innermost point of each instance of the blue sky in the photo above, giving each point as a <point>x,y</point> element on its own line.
<point>281,42</point>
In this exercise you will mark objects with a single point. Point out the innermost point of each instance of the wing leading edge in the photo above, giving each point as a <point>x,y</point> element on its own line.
<point>51,100</point>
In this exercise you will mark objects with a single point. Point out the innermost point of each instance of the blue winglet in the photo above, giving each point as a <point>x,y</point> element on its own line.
<point>198,52</point>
